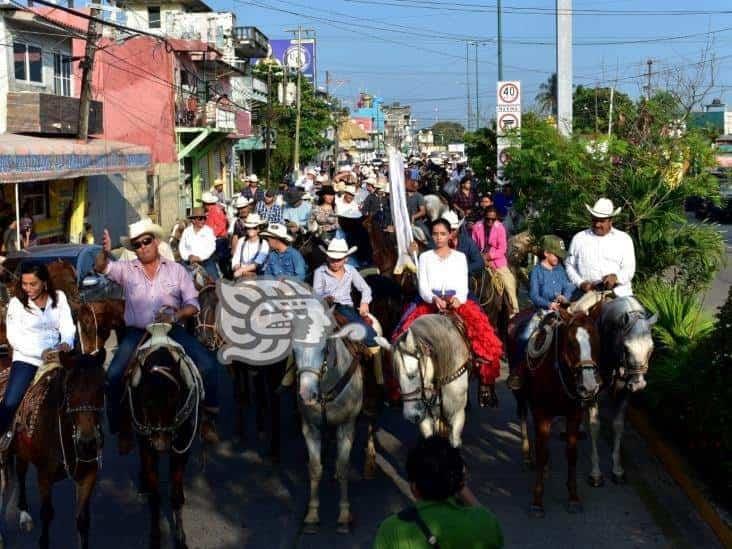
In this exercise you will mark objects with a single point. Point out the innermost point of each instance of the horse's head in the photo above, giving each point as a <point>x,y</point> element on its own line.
<point>579,346</point>
<point>637,342</point>
<point>415,370</point>
<point>311,362</point>
<point>83,404</point>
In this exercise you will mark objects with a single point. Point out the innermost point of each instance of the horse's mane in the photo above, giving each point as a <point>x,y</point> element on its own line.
<point>445,342</point>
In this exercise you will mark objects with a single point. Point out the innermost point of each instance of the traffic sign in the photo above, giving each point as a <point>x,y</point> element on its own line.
<point>508,117</point>
<point>509,93</point>
<point>508,121</point>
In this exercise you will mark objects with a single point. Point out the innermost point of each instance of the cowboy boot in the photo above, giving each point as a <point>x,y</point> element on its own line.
<point>209,434</point>
<point>375,354</point>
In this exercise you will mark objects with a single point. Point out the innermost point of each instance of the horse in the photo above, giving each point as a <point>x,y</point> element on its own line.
<point>58,429</point>
<point>331,392</point>
<point>493,299</point>
<point>96,320</point>
<point>175,235</point>
<point>432,360</point>
<point>563,378</point>
<point>626,348</point>
<point>164,394</point>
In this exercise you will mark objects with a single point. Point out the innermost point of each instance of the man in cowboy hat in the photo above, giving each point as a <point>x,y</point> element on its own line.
<point>198,244</point>
<point>307,182</point>
<point>346,206</point>
<point>253,192</point>
<point>283,260</point>
<point>152,283</point>
<point>217,189</point>
<point>216,219</point>
<point>297,209</point>
<point>243,208</point>
<point>602,256</point>
<point>268,209</point>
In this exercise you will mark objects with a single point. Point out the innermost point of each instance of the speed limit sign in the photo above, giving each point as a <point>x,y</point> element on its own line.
<point>508,118</point>
<point>509,93</point>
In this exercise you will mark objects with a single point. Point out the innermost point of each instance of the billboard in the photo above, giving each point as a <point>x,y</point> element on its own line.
<point>296,54</point>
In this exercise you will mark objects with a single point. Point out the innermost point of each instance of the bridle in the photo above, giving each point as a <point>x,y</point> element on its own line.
<point>212,341</point>
<point>96,332</point>
<point>622,370</point>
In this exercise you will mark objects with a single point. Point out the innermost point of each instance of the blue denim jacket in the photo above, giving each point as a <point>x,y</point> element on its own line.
<point>545,285</point>
<point>289,263</point>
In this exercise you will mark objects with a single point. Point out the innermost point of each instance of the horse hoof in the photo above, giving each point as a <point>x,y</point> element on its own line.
<point>528,465</point>
<point>311,528</point>
<point>596,482</point>
<point>537,511</point>
<point>574,507</point>
<point>620,479</point>
<point>343,528</point>
<point>26,521</point>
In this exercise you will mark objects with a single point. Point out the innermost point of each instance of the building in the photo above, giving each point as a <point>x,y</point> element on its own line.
<point>715,115</point>
<point>60,182</point>
<point>354,142</point>
<point>370,108</point>
<point>398,126</point>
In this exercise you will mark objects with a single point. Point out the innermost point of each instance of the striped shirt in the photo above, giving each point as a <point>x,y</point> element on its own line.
<point>326,284</point>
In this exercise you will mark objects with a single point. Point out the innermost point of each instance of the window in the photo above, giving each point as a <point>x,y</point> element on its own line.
<point>34,197</point>
<point>153,17</point>
<point>61,74</point>
<point>28,62</point>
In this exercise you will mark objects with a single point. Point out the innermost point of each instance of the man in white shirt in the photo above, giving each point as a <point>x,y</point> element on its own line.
<point>602,257</point>
<point>198,243</point>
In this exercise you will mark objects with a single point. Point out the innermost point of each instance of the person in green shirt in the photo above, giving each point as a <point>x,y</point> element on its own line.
<point>446,514</point>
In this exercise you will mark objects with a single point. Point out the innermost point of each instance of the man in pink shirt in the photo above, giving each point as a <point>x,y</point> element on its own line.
<point>491,237</point>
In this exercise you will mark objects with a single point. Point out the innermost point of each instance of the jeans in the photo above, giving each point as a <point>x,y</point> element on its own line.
<point>525,334</point>
<point>21,376</point>
<point>223,255</point>
<point>204,360</point>
<point>352,315</point>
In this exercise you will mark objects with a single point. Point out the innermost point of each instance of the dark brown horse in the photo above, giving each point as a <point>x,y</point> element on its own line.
<point>493,300</point>
<point>58,429</point>
<point>96,320</point>
<point>562,379</point>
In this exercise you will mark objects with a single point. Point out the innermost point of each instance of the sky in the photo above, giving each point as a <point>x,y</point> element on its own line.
<point>413,51</point>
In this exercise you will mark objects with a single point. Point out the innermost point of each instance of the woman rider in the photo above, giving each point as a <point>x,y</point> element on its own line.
<point>323,219</point>
<point>38,323</point>
<point>443,288</point>
<point>334,281</point>
<point>250,253</point>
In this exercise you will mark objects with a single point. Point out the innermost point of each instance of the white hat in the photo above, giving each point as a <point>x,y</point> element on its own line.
<point>371,181</point>
<point>338,249</point>
<point>307,196</point>
<point>277,230</point>
<point>142,227</point>
<point>218,181</point>
<point>603,209</point>
<point>321,179</point>
<point>452,218</point>
<point>209,198</point>
<point>310,171</point>
<point>253,221</point>
<point>253,178</point>
<point>242,202</point>
<point>350,189</point>
<point>345,168</point>
<point>437,161</point>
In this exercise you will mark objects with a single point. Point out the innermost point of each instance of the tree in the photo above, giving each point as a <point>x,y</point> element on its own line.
<point>591,108</point>
<point>546,99</point>
<point>448,132</point>
<point>480,148</point>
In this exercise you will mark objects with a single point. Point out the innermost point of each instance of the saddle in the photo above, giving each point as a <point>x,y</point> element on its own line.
<point>540,341</point>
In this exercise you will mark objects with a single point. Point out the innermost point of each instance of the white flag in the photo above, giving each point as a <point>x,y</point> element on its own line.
<point>399,212</point>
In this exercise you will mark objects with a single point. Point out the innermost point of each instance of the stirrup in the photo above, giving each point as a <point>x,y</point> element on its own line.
<point>5,441</point>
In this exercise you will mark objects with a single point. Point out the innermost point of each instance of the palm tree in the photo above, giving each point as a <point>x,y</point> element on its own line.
<point>546,99</point>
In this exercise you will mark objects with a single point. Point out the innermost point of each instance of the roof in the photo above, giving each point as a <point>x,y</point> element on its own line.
<point>190,5</point>
<point>350,130</point>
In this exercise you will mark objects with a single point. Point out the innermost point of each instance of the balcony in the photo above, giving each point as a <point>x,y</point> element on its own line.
<point>250,42</point>
<point>191,114</point>
<point>44,113</point>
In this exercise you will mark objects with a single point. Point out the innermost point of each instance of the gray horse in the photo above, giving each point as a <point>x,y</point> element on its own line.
<point>626,348</point>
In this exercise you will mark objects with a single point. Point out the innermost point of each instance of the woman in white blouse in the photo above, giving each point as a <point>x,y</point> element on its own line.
<point>250,252</point>
<point>443,288</point>
<point>38,323</point>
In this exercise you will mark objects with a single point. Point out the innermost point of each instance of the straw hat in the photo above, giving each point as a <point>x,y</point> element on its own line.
<point>321,179</point>
<point>209,198</point>
<point>603,209</point>
<point>218,181</point>
<point>242,202</point>
<point>350,189</point>
<point>338,249</point>
<point>253,178</point>
<point>139,228</point>
<point>253,221</point>
<point>278,231</point>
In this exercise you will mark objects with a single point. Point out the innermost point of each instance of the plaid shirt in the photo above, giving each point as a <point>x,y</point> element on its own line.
<point>271,214</point>
<point>465,203</point>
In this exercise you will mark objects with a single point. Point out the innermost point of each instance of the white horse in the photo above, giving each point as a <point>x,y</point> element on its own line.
<point>627,345</point>
<point>331,393</point>
<point>432,360</point>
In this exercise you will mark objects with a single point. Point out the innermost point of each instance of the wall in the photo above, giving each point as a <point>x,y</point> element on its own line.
<point>115,201</point>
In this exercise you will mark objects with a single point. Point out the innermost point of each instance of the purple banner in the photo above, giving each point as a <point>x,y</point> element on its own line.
<point>301,56</point>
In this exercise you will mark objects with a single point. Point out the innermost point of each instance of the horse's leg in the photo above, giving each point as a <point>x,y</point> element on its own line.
<point>369,466</point>
<point>618,427</point>
<point>45,490</point>
<point>25,520</point>
<point>427,427</point>
<point>593,419</point>
<point>177,498</point>
<point>456,428</point>
<point>238,375</point>
<point>6,494</point>
<point>315,468</point>
<point>84,490</point>
<point>260,397</point>
<point>149,471</point>
<point>573,423</point>
<point>523,412</point>
<point>543,427</point>
<point>344,437</point>
<point>272,382</point>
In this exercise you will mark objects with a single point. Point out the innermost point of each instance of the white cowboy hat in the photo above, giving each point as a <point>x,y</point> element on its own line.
<point>307,196</point>
<point>371,181</point>
<point>277,230</point>
<point>242,202</point>
<point>350,189</point>
<point>346,168</point>
<point>253,178</point>
<point>139,228</point>
<point>253,221</point>
<point>603,209</point>
<point>338,249</point>
<point>452,218</point>
<point>209,198</point>
<point>321,179</point>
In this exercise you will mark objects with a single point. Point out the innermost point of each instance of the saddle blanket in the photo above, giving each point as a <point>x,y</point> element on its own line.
<point>28,416</point>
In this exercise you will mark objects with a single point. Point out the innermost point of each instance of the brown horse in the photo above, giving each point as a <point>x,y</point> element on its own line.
<point>96,320</point>
<point>59,430</point>
<point>562,379</point>
<point>493,300</point>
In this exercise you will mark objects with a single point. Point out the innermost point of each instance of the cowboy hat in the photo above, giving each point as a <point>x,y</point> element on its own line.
<point>338,249</point>
<point>326,189</point>
<point>253,221</point>
<point>350,189</point>
<point>603,209</point>
<point>218,181</point>
<point>371,181</point>
<point>209,198</point>
<point>139,228</point>
<point>293,196</point>
<point>554,245</point>
<point>321,179</point>
<point>197,212</point>
<point>345,168</point>
<point>278,231</point>
<point>253,178</point>
<point>242,202</point>
<point>310,171</point>
<point>452,219</point>
<point>437,161</point>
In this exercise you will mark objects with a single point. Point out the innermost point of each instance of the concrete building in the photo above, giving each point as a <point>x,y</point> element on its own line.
<point>398,126</point>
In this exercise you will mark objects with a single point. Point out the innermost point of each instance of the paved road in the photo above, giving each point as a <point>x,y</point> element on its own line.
<point>243,501</point>
<point>717,294</point>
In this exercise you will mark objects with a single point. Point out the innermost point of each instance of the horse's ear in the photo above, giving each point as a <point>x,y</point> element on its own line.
<point>383,343</point>
<point>652,319</point>
<point>410,343</point>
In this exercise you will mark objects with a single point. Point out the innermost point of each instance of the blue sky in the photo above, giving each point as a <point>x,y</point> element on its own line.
<point>413,51</point>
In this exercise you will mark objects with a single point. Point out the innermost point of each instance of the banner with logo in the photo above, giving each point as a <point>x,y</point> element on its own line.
<point>290,52</point>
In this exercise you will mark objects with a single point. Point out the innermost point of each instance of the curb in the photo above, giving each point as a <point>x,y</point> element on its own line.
<point>677,470</point>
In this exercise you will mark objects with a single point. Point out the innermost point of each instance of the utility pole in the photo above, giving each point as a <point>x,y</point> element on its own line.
<point>564,66</point>
<point>596,114</point>
<point>500,40</point>
<point>268,135</point>
<point>477,104</point>
<point>298,99</point>
<point>87,66</point>
<point>648,75</point>
<point>467,84</point>
<point>610,115</point>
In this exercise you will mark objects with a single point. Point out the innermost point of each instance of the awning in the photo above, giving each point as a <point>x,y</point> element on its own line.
<point>253,143</point>
<point>25,158</point>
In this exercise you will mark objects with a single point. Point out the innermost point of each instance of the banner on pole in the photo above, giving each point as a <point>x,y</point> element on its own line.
<point>399,212</point>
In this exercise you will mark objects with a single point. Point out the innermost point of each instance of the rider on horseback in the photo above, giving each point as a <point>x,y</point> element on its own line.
<point>152,283</point>
<point>250,253</point>
<point>283,260</point>
<point>198,244</point>
<point>38,323</point>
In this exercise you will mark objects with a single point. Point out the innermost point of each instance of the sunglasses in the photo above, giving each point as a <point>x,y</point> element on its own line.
<point>199,218</point>
<point>137,244</point>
